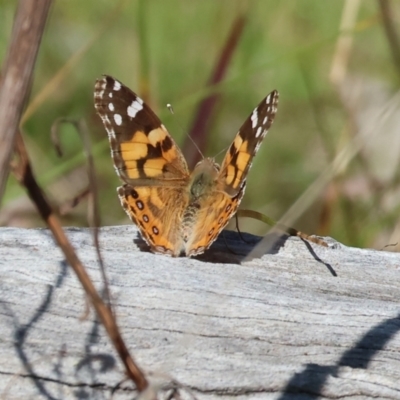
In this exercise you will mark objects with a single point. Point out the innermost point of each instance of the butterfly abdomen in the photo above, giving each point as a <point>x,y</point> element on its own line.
<point>189,219</point>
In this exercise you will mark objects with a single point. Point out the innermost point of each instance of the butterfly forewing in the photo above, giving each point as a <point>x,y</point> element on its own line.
<point>141,147</point>
<point>244,147</point>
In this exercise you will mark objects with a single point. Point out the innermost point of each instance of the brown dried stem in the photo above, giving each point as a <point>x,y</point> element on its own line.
<point>290,231</point>
<point>29,24</point>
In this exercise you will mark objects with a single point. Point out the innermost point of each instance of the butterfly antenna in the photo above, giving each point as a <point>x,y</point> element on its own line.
<point>171,110</point>
<point>221,151</point>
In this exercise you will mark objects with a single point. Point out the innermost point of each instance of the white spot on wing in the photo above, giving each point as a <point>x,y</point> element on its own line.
<point>135,107</point>
<point>268,99</point>
<point>254,118</point>
<point>259,130</point>
<point>265,120</point>
<point>117,86</point>
<point>118,119</point>
<point>110,95</point>
<point>111,106</point>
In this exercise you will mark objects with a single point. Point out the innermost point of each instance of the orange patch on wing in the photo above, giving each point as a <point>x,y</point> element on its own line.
<point>132,170</point>
<point>236,183</point>
<point>156,136</point>
<point>154,167</point>
<point>242,162</point>
<point>230,174</point>
<point>139,137</point>
<point>238,142</point>
<point>133,151</point>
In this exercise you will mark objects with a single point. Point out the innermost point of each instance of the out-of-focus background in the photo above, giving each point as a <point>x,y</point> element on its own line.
<point>332,156</point>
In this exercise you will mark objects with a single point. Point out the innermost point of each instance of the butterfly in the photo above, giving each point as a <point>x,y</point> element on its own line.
<point>178,212</point>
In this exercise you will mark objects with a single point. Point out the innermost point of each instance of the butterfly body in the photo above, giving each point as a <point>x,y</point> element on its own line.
<point>178,212</point>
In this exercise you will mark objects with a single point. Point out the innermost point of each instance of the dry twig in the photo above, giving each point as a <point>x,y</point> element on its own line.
<point>29,24</point>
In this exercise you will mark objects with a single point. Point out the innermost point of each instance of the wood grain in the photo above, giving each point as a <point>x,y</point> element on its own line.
<point>280,326</point>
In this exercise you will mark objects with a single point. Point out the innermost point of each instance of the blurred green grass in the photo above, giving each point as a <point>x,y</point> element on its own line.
<point>170,48</point>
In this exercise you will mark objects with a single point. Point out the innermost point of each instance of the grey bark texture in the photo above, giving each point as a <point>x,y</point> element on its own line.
<point>298,322</point>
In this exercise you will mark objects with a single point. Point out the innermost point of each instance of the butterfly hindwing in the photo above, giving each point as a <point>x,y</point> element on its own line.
<point>212,219</point>
<point>149,207</point>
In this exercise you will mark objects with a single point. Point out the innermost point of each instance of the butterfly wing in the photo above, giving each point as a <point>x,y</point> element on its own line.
<point>150,163</point>
<point>216,211</point>
<point>142,149</point>
<point>157,212</point>
<point>214,214</point>
<point>244,147</point>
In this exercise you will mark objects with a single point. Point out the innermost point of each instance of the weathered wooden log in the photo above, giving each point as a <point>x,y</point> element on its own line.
<point>300,321</point>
